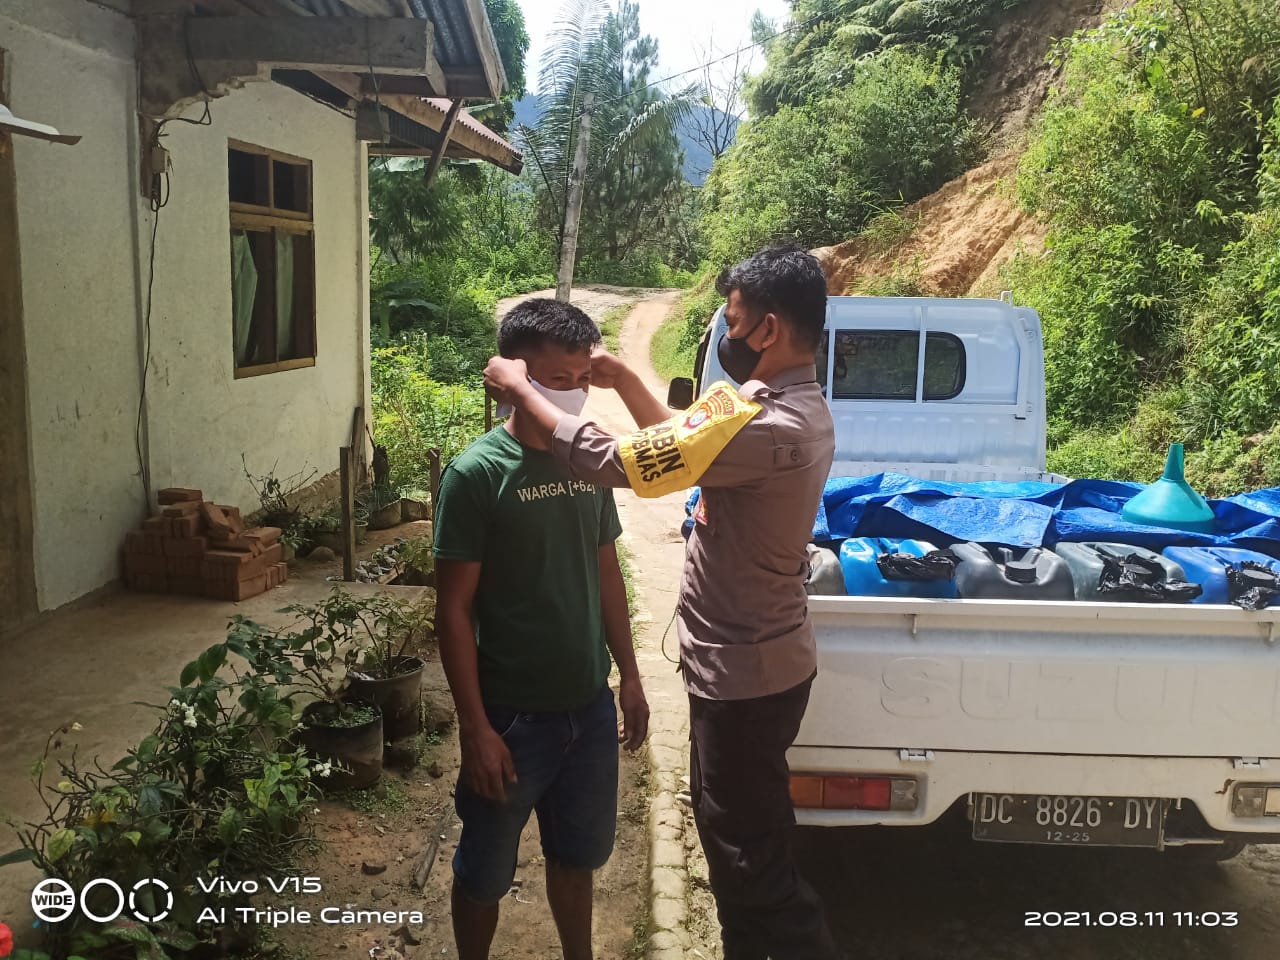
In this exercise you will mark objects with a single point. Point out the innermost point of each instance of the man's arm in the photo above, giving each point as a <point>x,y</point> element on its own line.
<point>609,372</point>
<point>486,761</point>
<point>617,630</point>
<point>508,381</point>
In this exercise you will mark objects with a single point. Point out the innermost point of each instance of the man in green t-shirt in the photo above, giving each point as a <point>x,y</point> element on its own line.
<point>531,603</point>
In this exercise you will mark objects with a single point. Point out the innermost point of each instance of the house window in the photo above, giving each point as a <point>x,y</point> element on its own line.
<point>273,287</point>
<point>883,365</point>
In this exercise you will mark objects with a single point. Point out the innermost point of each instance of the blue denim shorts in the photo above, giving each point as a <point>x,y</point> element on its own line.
<point>567,772</point>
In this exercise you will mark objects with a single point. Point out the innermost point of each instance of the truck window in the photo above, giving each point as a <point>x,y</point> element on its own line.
<point>883,365</point>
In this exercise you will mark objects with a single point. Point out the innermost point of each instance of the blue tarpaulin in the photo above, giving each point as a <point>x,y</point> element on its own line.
<point>1026,514</point>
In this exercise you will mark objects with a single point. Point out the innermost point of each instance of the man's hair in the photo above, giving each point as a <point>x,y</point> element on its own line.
<point>784,280</point>
<point>538,321</point>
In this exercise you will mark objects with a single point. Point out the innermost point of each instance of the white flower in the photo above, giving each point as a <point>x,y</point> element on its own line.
<point>76,726</point>
<point>323,769</point>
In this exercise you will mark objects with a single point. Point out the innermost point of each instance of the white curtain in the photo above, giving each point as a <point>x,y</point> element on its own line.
<point>244,288</point>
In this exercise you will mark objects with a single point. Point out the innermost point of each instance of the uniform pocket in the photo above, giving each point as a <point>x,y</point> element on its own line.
<point>796,454</point>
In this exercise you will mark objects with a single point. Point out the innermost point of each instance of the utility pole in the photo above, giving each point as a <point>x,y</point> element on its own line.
<point>573,204</point>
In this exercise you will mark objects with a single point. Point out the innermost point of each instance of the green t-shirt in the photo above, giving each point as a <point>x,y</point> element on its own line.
<point>537,535</point>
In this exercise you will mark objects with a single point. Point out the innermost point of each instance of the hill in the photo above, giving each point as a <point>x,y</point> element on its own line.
<point>953,242</point>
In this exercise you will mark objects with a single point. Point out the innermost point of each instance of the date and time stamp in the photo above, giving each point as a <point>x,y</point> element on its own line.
<point>1132,919</point>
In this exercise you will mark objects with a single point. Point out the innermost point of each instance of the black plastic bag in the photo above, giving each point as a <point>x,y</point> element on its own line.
<point>1142,580</point>
<point>1252,585</point>
<point>935,565</point>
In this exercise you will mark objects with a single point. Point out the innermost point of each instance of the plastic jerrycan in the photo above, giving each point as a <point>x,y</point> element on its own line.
<point>825,578</point>
<point>1209,566</point>
<point>1087,564</point>
<point>859,558</point>
<point>1170,501</point>
<point>1001,573</point>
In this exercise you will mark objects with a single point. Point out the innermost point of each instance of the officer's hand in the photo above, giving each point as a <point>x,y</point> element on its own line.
<point>605,368</point>
<point>634,725</point>
<point>486,762</point>
<point>502,376</point>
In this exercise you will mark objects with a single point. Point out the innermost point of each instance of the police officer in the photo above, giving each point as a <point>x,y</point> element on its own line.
<point>746,642</point>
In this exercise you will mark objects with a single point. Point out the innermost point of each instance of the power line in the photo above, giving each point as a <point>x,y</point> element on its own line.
<point>711,63</point>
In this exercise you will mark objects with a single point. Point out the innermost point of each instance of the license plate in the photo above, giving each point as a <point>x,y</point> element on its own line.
<point>1069,821</point>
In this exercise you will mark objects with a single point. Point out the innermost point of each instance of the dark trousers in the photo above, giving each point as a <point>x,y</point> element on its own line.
<point>742,805</point>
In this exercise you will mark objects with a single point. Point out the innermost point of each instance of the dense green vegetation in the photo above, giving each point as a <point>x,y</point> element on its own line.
<point>1156,167</point>
<point>445,254</point>
<point>859,110</point>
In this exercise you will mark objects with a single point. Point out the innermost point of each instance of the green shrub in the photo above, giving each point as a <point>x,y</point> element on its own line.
<point>413,413</point>
<point>816,173</point>
<point>1152,165</point>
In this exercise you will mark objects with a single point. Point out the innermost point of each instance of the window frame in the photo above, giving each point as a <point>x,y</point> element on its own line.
<point>269,219</point>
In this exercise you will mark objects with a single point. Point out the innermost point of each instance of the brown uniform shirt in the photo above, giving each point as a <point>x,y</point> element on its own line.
<point>743,613</point>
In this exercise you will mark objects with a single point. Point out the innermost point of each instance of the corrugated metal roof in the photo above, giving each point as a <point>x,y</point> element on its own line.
<point>465,119</point>
<point>454,43</point>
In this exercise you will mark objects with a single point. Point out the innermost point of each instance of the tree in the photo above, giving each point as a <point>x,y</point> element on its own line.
<point>723,80</point>
<point>507,20</point>
<point>411,219</point>
<point>633,169</point>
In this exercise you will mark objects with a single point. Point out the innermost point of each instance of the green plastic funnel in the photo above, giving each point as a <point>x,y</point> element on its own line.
<point>1170,501</point>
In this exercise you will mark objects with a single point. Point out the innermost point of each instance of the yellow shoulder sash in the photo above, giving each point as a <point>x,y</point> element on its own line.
<point>673,455</point>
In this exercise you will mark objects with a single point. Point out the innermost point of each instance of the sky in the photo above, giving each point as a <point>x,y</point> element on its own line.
<point>685,30</point>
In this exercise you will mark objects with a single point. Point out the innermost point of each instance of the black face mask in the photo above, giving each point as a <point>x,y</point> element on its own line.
<point>737,357</point>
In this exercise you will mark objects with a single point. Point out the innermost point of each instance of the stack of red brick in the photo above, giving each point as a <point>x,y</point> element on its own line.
<point>200,548</point>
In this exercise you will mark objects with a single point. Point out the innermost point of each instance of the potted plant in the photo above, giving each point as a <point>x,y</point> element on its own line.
<point>389,674</point>
<point>419,563</point>
<point>415,504</point>
<point>383,505</point>
<point>326,529</point>
<point>313,657</point>
<point>295,540</point>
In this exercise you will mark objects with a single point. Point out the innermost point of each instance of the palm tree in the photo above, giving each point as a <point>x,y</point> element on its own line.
<point>633,155</point>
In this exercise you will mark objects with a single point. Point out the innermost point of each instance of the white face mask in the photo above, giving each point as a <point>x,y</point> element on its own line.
<point>570,401</point>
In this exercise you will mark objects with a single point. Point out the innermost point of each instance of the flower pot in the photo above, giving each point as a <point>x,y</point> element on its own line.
<point>328,538</point>
<point>357,748</point>
<point>398,697</point>
<point>412,509</point>
<point>413,577</point>
<point>385,516</point>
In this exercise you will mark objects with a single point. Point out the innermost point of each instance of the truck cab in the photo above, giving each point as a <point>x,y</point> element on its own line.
<point>940,389</point>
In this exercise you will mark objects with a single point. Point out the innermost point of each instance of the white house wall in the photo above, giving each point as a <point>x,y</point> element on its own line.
<point>84,235</point>
<point>79,286</point>
<point>202,418</point>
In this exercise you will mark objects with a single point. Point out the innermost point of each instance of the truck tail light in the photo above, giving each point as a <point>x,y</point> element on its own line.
<point>854,793</point>
<point>1256,800</point>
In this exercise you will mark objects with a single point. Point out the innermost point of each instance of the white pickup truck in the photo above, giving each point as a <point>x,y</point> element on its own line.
<point>1080,723</point>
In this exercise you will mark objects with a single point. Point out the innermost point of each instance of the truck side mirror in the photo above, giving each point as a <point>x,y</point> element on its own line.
<point>680,393</point>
